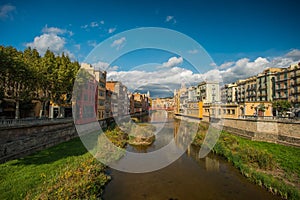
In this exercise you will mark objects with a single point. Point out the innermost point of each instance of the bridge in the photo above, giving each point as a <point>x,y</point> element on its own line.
<point>162,108</point>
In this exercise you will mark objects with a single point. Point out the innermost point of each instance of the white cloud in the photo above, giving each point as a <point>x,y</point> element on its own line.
<point>194,51</point>
<point>84,26</point>
<point>170,19</point>
<point>172,62</point>
<point>294,54</point>
<point>54,42</point>
<point>171,76</point>
<point>111,30</point>
<point>244,68</point>
<point>52,39</point>
<point>105,66</point>
<point>226,65</point>
<point>53,30</point>
<point>92,43</point>
<point>6,11</point>
<point>94,24</point>
<point>77,46</point>
<point>119,43</point>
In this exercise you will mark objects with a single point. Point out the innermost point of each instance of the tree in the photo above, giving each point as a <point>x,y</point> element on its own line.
<point>25,76</point>
<point>282,106</point>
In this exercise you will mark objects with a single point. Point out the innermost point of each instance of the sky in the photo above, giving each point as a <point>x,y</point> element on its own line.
<point>235,39</point>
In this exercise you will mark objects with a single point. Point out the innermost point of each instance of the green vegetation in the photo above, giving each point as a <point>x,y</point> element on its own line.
<point>26,76</point>
<point>282,106</point>
<point>66,171</point>
<point>273,166</point>
<point>140,133</point>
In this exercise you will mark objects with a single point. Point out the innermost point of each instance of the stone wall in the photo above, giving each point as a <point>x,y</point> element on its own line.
<point>22,140</point>
<point>276,131</point>
<point>265,130</point>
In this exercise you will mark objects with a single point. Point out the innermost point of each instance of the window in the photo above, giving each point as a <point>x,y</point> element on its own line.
<point>233,111</point>
<point>100,102</point>
<point>86,97</point>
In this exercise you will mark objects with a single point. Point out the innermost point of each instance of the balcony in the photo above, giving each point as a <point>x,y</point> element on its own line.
<point>292,75</point>
<point>295,91</point>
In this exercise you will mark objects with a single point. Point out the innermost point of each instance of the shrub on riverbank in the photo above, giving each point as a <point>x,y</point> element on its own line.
<point>262,163</point>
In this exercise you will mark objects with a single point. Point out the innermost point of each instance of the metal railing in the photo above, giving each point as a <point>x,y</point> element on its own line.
<point>31,121</point>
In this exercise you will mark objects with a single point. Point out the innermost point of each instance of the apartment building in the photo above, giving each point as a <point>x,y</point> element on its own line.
<point>208,92</point>
<point>100,90</point>
<point>240,91</point>
<point>101,79</point>
<point>228,93</point>
<point>266,84</point>
<point>122,93</point>
<point>295,84</point>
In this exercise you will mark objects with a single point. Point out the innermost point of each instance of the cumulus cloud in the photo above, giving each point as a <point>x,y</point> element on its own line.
<point>172,62</point>
<point>104,66</point>
<point>111,30</point>
<point>46,41</point>
<point>294,54</point>
<point>6,11</point>
<point>119,43</point>
<point>52,39</point>
<point>53,30</point>
<point>172,76</point>
<point>244,68</point>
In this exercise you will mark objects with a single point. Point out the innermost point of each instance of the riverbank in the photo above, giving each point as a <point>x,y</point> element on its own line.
<point>272,166</point>
<point>65,171</point>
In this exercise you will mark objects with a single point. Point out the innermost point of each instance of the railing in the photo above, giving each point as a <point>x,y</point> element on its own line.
<point>31,121</point>
<point>271,118</point>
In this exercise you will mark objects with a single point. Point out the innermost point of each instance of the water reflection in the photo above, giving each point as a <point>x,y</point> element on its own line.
<point>189,177</point>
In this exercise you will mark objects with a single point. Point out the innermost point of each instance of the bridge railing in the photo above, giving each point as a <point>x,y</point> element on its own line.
<point>23,122</point>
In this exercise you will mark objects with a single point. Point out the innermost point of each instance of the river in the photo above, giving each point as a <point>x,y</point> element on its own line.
<point>189,177</point>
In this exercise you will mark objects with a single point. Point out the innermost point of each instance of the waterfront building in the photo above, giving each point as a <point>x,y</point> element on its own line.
<point>228,93</point>
<point>208,92</point>
<point>163,104</point>
<point>122,94</point>
<point>266,84</point>
<point>100,92</point>
<point>295,84</point>
<point>139,103</point>
<point>240,91</point>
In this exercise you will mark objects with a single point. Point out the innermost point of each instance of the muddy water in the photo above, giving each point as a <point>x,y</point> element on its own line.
<point>187,178</point>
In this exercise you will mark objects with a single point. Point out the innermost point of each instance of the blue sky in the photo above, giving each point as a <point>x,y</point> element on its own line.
<point>232,32</point>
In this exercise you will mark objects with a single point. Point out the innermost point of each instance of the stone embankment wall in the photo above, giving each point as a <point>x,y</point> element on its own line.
<point>17,141</point>
<point>283,132</point>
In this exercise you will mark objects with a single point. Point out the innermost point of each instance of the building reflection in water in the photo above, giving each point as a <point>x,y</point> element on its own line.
<point>211,164</point>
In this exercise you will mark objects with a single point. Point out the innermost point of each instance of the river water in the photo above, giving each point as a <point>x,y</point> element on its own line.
<point>189,177</point>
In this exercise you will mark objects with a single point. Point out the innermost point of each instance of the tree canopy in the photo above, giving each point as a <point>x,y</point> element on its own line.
<point>26,75</point>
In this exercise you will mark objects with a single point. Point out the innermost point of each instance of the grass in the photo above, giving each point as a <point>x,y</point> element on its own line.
<point>273,166</point>
<point>60,172</point>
